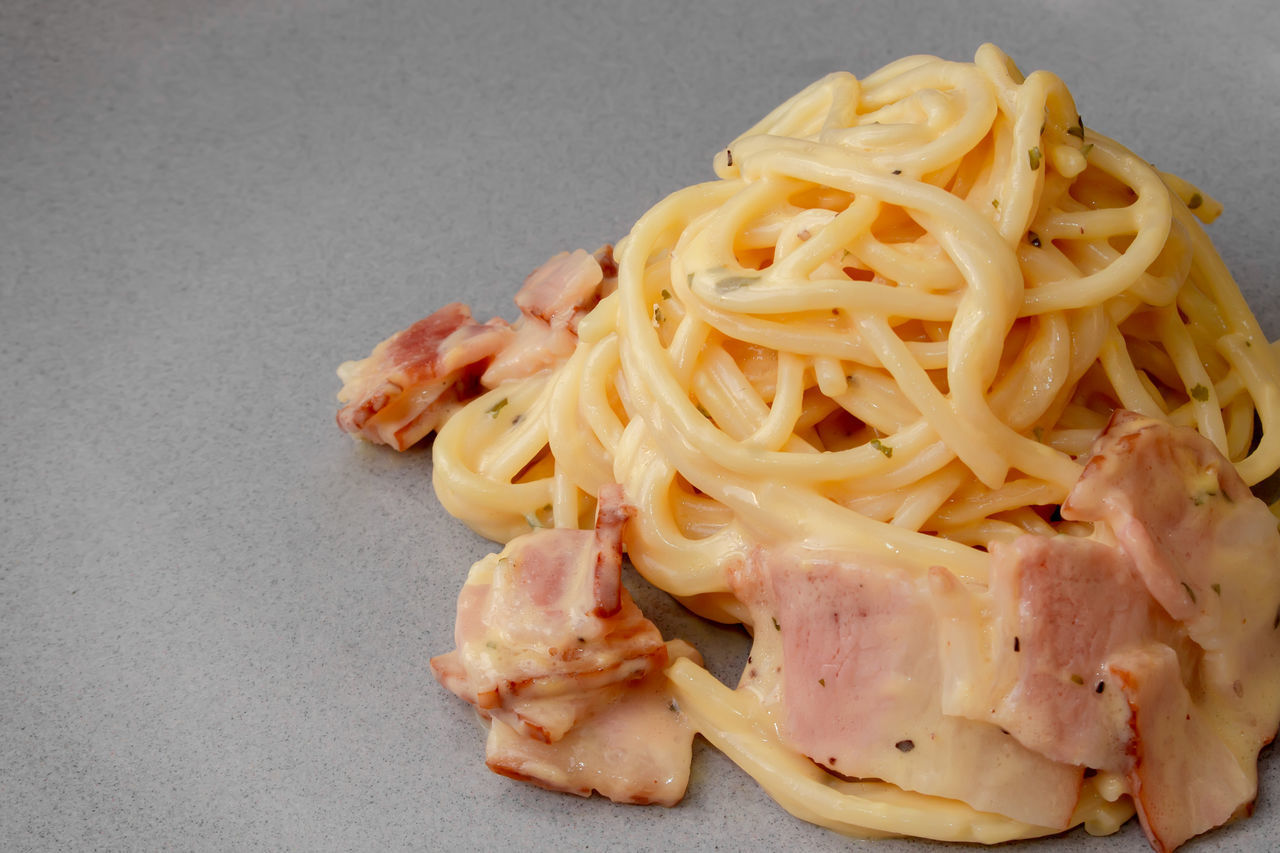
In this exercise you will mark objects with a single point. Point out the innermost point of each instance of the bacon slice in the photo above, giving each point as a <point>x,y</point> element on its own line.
<point>634,750</point>
<point>414,379</point>
<point>1183,777</point>
<point>1061,606</point>
<point>862,690</point>
<point>1157,657</point>
<point>551,649</point>
<point>563,289</point>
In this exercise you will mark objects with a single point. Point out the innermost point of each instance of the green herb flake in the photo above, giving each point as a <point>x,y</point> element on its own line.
<point>882,447</point>
<point>703,412</point>
<point>1191,592</point>
<point>1077,130</point>
<point>532,519</point>
<point>1195,201</point>
<point>1199,393</point>
<point>776,626</point>
<point>1086,148</point>
<point>1033,157</point>
<point>1038,432</point>
<point>995,202</point>
<point>1217,587</point>
<point>666,294</point>
<point>493,410</point>
<point>657,315</point>
<point>1033,238</point>
<point>1076,679</point>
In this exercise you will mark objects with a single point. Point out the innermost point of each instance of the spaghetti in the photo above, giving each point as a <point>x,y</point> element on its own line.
<point>890,331</point>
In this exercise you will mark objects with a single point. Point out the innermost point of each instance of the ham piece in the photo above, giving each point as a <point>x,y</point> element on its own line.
<point>415,379</point>
<point>554,653</point>
<point>1151,649</point>
<point>862,683</point>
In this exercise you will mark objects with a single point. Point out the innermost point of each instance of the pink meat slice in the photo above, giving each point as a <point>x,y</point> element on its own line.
<point>1183,777</point>
<point>414,379</point>
<point>1063,606</point>
<point>1158,656</point>
<point>563,289</point>
<point>862,692</point>
<point>552,649</point>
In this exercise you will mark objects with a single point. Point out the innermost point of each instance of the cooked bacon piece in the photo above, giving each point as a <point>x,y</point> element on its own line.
<point>862,690</point>
<point>563,289</point>
<point>1209,553</point>
<point>1183,777</point>
<point>1063,606</point>
<point>1157,658</point>
<point>535,346</point>
<point>635,750</point>
<point>414,379</point>
<point>552,649</point>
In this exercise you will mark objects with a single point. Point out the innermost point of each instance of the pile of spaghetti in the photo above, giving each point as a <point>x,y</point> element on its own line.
<point>947,398</point>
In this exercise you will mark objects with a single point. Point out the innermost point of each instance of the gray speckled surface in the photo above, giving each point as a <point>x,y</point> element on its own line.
<point>215,610</point>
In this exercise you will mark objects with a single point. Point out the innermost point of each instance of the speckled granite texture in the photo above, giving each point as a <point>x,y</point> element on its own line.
<point>215,609</point>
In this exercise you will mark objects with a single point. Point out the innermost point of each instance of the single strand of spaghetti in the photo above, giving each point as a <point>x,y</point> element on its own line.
<point>565,505</point>
<point>1239,419</point>
<point>1074,442</point>
<point>1089,223</point>
<point>853,296</point>
<point>830,375</point>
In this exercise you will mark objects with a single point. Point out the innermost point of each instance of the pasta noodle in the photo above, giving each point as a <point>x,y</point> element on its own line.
<point>891,327</point>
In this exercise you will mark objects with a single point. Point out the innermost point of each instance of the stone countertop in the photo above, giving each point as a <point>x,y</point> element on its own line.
<point>217,609</point>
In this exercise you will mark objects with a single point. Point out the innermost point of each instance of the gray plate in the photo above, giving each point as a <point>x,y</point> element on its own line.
<point>217,610</point>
